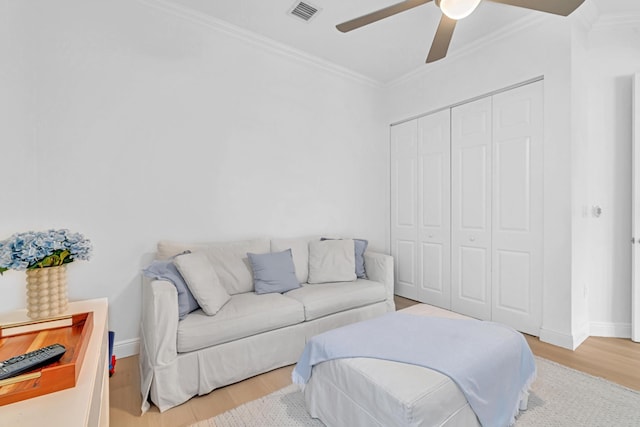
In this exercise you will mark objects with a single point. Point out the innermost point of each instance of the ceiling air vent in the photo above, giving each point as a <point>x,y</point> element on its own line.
<point>304,11</point>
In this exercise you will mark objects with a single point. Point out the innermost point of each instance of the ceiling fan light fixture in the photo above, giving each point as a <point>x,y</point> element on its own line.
<point>458,9</point>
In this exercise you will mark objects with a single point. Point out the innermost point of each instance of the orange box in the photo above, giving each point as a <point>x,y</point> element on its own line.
<point>53,377</point>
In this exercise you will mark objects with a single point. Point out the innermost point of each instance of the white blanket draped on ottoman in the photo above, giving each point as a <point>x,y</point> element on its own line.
<point>491,363</point>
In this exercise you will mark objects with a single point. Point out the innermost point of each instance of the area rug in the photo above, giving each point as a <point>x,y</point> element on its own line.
<point>560,397</point>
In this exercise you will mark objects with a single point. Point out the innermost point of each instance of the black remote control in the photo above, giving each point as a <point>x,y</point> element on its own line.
<point>32,360</point>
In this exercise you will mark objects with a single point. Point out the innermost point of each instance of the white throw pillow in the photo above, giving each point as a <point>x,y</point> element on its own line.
<point>300,251</point>
<point>331,261</point>
<point>203,282</point>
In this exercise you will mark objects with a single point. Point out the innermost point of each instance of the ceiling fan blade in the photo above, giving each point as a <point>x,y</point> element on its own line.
<point>441,40</point>
<point>557,7</point>
<point>379,14</point>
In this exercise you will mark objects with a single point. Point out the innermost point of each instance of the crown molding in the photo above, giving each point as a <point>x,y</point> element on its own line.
<point>262,42</point>
<point>586,15</point>
<point>630,18</point>
<point>508,31</point>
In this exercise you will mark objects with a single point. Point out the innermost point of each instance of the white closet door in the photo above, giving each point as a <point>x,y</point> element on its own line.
<point>517,228</point>
<point>471,209</point>
<point>404,225</point>
<point>434,209</point>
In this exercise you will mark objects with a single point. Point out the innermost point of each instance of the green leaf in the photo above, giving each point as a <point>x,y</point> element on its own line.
<point>46,261</point>
<point>2,270</point>
<point>57,258</point>
<point>63,257</point>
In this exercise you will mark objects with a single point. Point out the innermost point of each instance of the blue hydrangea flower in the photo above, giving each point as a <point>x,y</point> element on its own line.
<point>40,249</point>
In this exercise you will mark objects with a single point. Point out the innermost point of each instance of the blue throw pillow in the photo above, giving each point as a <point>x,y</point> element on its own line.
<point>360,246</point>
<point>166,270</point>
<point>273,272</point>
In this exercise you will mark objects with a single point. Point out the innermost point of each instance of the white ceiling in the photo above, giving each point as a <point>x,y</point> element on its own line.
<point>382,51</point>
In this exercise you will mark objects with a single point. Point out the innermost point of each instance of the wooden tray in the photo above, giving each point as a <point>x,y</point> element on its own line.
<point>56,376</point>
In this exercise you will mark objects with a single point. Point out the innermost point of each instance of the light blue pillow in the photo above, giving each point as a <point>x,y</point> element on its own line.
<point>360,246</point>
<point>273,272</point>
<point>165,270</point>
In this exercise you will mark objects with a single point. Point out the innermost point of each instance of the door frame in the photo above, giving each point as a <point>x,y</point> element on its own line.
<point>635,241</point>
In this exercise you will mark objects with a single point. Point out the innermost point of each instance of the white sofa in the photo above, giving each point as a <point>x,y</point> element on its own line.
<point>251,333</point>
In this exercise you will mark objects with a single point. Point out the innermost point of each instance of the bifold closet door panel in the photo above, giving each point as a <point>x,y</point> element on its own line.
<point>517,226</point>
<point>434,209</point>
<point>471,165</point>
<point>404,210</point>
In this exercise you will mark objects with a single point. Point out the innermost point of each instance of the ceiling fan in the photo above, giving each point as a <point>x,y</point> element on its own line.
<point>452,11</point>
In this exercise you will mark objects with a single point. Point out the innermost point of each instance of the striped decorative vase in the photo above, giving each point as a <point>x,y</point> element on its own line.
<point>46,292</point>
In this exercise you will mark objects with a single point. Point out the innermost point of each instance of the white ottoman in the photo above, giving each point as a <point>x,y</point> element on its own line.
<point>372,392</point>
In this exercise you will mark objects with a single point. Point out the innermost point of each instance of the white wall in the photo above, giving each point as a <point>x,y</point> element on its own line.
<point>613,58</point>
<point>152,125</point>
<point>18,173</point>
<point>540,48</point>
<point>131,124</point>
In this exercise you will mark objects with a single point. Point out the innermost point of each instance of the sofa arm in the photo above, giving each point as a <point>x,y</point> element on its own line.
<point>159,327</point>
<point>379,267</point>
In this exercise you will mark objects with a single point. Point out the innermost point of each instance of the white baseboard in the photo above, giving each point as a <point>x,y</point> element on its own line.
<point>557,338</point>
<point>608,329</point>
<point>126,348</point>
<point>581,335</point>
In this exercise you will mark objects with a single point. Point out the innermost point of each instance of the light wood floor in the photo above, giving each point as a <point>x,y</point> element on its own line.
<point>615,359</point>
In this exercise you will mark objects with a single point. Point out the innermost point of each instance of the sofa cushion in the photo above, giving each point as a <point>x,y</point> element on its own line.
<point>299,250</point>
<point>244,315</point>
<point>168,249</point>
<point>202,281</point>
<point>273,272</point>
<point>228,258</point>
<point>324,299</point>
<point>332,261</point>
<point>232,264</point>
